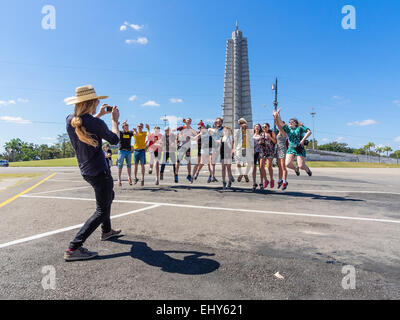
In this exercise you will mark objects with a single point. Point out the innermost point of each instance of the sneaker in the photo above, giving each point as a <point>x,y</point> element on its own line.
<point>111,234</point>
<point>255,187</point>
<point>224,185</point>
<point>309,172</point>
<point>142,183</point>
<point>229,184</point>
<point>196,176</point>
<point>190,179</point>
<point>157,182</point>
<point>297,171</point>
<point>240,178</point>
<point>279,184</point>
<point>266,182</point>
<point>246,177</point>
<point>214,179</point>
<point>272,184</point>
<point>209,179</point>
<point>284,185</point>
<point>150,171</point>
<point>79,254</point>
<point>233,180</point>
<point>176,179</point>
<point>161,175</point>
<point>119,183</point>
<point>261,186</point>
<point>136,180</point>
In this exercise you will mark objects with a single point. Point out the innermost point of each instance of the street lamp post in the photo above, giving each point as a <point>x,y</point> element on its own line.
<point>313,113</point>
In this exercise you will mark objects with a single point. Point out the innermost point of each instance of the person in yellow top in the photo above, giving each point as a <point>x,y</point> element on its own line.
<point>139,148</point>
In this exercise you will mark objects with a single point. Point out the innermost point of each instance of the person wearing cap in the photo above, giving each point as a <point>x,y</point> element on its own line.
<point>169,149</point>
<point>244,149</point>
<point>140,150</point>
<point>125,152</point>
<point>86,131</point>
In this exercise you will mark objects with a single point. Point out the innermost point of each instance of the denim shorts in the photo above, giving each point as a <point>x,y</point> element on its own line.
<point>140,156</point>
<point>124,154</point>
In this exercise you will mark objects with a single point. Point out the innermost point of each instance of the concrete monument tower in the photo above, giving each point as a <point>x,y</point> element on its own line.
<point>237,99</point>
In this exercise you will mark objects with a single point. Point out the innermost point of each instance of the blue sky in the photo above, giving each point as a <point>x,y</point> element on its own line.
<point>176,50</point>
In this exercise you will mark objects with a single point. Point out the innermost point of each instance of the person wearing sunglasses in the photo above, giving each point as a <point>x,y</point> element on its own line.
<point>297,134</point>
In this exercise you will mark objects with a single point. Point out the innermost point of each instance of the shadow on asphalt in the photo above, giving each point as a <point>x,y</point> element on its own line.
<point>267,192</point>
<point>191,264</point>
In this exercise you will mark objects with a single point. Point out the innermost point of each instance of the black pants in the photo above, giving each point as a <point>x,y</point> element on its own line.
<point>165,159</point>
<point>103,186</point>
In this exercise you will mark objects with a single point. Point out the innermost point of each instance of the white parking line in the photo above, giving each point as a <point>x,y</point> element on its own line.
<point>46,234</point>
<point>227,209</point>
<point>59,190</point>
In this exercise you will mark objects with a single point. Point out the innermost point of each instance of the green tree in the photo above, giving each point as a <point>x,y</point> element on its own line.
<point>387,149</point>
<point>379,151</point>
<point>368,147</point>
<point>13,149</point>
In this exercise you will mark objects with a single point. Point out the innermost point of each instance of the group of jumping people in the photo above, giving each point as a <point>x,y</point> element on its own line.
<point>250,148</point>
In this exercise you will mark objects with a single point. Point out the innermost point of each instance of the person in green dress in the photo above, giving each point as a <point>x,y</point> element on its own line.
<point>297,134</point>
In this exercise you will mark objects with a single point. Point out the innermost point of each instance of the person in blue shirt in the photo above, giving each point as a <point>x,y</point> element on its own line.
<point>86,131</point>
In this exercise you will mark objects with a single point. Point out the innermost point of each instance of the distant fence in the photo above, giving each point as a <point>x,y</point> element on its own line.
<point>319,155</point>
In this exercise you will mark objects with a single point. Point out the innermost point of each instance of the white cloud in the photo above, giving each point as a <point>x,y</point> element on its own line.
<point>176,100</point>
<point>132,98</point>
<point>338,139</point>
<point>6,103</point>
<point>150,103</point>
<point>336,97</point>
<point>362,123</point>
<point>48,138</point>
<point>17,120</point>
<point>22,100</point>
<point>133,26</point>
<point>123,28</point>
<point>325,139</point>
<point>140,40</point>
<point>397,139</point>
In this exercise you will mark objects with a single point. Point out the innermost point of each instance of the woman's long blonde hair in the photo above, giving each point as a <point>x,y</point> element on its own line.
<point>81,109</point>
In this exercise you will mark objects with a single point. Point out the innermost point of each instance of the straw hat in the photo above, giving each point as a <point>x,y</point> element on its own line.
<point>84,93</point>
<point>242,120</point>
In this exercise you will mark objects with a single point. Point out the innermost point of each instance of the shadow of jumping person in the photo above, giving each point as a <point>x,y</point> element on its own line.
<point>191,264</point>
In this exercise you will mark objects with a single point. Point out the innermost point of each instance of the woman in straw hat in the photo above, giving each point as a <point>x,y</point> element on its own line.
<point>86,131</point>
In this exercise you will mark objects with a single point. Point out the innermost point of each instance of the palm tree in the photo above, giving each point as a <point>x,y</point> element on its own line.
<point>387,149</point>
<point>368,147</point>
<point>379,150</point>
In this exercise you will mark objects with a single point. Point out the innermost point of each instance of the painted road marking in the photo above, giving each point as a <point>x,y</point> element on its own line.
<point>227,209</point>
<point>46,234</point>
<point>27,190</point>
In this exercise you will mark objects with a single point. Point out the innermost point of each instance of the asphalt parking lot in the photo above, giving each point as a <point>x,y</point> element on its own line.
<point>197,241</point>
